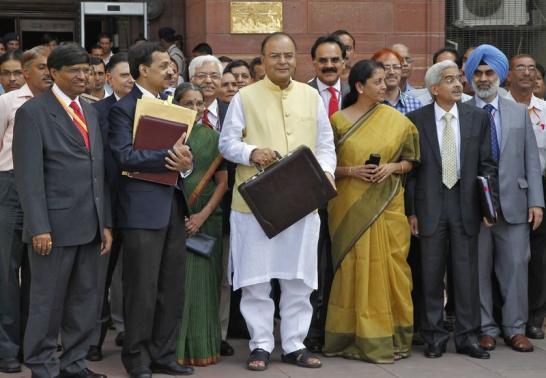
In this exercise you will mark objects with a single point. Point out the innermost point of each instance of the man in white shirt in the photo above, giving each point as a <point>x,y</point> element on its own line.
<point>522,75</point>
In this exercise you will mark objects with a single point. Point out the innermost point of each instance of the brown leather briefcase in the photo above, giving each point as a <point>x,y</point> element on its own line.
<point>286,191</point>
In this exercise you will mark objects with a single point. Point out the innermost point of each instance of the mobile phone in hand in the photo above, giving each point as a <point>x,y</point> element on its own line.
<point>373,159</point>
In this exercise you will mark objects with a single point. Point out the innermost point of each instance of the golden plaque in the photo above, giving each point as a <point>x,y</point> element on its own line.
<point>256,17</point>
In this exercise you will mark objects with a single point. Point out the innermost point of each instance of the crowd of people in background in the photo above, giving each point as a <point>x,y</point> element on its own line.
<point>85,247</point>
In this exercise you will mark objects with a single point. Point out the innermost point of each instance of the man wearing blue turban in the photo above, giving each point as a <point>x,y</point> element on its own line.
<point>504,248</point>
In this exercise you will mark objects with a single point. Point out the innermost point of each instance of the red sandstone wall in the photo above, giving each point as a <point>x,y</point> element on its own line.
<point>375,24</point>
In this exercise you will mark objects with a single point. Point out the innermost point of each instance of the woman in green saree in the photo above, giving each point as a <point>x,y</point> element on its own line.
<point>370,308</point>
<point>199,338</point>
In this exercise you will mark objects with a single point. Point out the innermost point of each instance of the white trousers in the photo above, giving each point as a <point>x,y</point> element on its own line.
<point>295,309</point>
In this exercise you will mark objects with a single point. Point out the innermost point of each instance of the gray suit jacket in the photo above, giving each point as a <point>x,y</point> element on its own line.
<point>424,187</point>
<point>344,88</point>
<point>61,185</point>
<point>520,182</point>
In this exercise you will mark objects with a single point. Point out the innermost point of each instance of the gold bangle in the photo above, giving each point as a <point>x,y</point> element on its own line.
<point>401,167</point>
<point>350,171</point>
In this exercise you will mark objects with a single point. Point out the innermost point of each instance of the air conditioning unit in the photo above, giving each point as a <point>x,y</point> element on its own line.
<point>491,13</point>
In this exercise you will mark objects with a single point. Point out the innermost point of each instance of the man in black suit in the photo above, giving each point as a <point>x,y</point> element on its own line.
<point>443,207</point>
<point>120,80</point>
<point>59,173</point>
<point>151,219</point>
<point>328,54</point>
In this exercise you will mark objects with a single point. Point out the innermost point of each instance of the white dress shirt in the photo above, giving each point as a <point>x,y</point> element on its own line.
<point>441,124</point>
<point>213,116</point>
<point>325,94</point>
<point>537,113</point>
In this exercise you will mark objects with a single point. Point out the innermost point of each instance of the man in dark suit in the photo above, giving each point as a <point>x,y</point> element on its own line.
<point>328,54</point>
<point>59,173</point>
<point>443,207</point>
<point>120,80</point>
<point>151,219</point>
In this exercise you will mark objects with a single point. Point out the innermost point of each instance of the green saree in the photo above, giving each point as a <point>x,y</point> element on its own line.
<point>199,338</point>
<point>370,308</point>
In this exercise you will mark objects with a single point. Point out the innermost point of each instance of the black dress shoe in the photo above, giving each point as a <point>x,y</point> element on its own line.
<point>172,369</point>
<point>474,350</point>
<point>94,353</point>
<point>535,333</point>
<point>140,375</point>
<point>435,350</point>
<point>119,339</point>
<point>10,365</point>
<point>226,349</point>
<point>85,373</point>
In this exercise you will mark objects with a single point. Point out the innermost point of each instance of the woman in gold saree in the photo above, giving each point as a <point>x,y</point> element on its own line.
<point>370,312</point>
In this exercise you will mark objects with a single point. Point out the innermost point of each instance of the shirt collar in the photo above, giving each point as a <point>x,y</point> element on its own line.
<point>24,92</point>
<point>537,103</point>
<point>439,112</point>
<point>324,87</point>
<point>145,92</point>
<point>481,103</point>
<point>63,97</point>
<point>213,108</point>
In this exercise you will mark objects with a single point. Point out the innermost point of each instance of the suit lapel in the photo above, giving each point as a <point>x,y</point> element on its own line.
<point>465,129</point>
<point>431,133</point>
<point>505,116</point>
<point>63,120</point>
<point>92,124</point>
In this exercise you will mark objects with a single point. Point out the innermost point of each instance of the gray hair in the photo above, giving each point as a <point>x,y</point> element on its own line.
<point>200,61</point>
<point>435,73</point>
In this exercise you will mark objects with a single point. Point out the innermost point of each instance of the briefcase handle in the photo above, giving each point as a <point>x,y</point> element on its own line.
<point>261,169</point>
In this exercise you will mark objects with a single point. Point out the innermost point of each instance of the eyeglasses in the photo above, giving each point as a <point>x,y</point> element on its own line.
<point>73,71</point>
<point>278,56</point>
<point>522,68</point>
<point>394,67</point>
<point>16,74</point>
<point>211,75</point>
<point>409,60</point>
<point>334,60</point>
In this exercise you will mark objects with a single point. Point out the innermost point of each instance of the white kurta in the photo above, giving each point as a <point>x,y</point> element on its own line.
<point>254,258</point>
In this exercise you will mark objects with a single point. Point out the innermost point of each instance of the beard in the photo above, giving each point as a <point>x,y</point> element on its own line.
<point>486,93</point>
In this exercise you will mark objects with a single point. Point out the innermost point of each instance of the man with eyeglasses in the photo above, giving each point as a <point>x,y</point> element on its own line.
<point>328,54</point>
<point>504,248</point>
<point>206,71</point>
<point>522,75</point>
<point>350,44</point>
<point>275,114</point>
<point>11,71</point>
<point>407,66</point>
<point>59,174</point>
<point>14,292</point>
<point>392,61</point>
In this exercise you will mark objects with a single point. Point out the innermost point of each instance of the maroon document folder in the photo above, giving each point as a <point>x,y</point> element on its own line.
<point>157,134</point>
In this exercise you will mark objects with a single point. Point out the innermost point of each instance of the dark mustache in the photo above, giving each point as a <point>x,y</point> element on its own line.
<point>329,69</point>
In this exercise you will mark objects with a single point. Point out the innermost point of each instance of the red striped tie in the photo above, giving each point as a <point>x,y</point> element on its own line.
<point>333,105</point>
<point>79,114</point>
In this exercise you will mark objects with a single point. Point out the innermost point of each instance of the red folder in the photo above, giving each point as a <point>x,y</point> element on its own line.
<point>157,134</point>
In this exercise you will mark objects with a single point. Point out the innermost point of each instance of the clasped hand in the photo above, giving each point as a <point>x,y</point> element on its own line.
<point>372,173</point>
<point>180,157</point>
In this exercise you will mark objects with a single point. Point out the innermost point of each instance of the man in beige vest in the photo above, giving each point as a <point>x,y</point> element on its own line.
<point>275,114</point>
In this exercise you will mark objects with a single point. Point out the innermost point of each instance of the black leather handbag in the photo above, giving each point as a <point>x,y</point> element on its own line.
<point>287,190</point>
<point>201,244</point>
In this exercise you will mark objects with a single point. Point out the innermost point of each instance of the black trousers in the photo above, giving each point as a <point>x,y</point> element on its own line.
<point>320,297</point>
<point>463,250</point>
<point>537,274</point>
<point>154,263</point>
<point>14,270</point>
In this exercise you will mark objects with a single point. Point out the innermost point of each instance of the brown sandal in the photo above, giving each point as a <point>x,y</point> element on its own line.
<point>258,355</point>
<point>301,358</point>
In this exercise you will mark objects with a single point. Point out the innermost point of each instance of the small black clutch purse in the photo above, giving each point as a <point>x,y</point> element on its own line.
<point>201,244</point>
